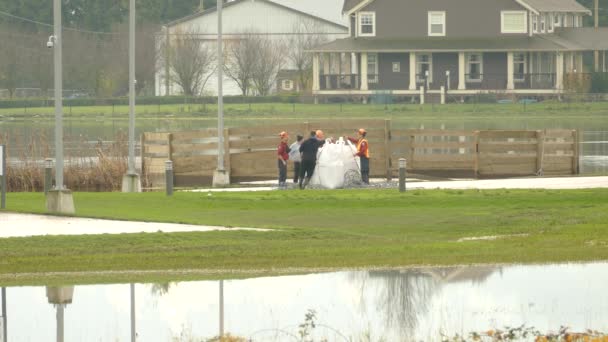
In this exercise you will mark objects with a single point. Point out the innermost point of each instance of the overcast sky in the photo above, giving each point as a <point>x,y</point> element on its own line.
<point>327,9</point>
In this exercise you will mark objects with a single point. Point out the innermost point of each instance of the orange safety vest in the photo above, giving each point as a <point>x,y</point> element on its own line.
<point>361,141</point>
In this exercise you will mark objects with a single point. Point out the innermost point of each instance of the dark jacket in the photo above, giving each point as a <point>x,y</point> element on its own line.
<point>310,148</point>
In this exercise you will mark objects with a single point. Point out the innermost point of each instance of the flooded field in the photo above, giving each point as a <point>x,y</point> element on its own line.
<point>401,305</point>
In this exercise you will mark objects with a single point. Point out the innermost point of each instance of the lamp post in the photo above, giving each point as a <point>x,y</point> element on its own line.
<point>221,176</point>
<point>60,199</point>
<point>131,181</point>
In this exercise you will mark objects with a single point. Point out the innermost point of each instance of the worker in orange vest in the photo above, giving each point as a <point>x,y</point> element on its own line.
<point>362,153</point>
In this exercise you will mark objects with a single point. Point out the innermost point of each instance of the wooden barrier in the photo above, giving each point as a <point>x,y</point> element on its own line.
<point>250,152</point>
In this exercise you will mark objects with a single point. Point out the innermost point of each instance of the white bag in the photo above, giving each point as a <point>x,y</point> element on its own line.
<point>334,162</point>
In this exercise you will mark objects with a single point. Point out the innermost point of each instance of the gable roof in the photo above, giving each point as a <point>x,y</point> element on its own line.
<point>535,5</point>
<point>237,2</point>
<point>555,6</point>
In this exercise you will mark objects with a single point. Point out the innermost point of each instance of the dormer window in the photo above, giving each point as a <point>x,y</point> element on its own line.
<point>557,20</point>
<point>436,23</point>
<point>367,24</point>
<point>549,22</point>
<point>534,23</point>
<point>543,27</point>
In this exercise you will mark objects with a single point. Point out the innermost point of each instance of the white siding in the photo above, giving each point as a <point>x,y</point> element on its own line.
<point>249,16</point>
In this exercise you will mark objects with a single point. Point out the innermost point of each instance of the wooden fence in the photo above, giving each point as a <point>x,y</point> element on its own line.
<point>250,152</point>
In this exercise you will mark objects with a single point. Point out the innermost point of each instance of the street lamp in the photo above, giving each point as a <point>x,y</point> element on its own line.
<point>131,181</point>
<point>59,200</point>
<point>221,176</point>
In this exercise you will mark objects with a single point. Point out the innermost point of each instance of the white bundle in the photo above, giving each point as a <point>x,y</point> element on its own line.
<point>335,161</point>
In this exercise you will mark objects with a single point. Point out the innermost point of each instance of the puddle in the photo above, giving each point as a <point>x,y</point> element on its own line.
<point>406,305</point>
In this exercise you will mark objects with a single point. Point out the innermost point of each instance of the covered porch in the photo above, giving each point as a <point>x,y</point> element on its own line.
<point>453,73</point>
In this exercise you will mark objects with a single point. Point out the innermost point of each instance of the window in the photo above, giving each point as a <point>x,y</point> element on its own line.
<point>514,22</point>
<point>396,66</point>
<point>367,24</point>
<point>474,67</point>
<point>424,65</point>
<point>372,68</point>
<point>519,67</point>
<point>557,20</point>
<point>550,22</point>
<point>543,27</point>
<point>436,23</point>
<point>578,21</point>
<point>287,85</point>
<point>534,23</point>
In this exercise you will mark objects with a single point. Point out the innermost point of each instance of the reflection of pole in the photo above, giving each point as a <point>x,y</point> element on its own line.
<point>4,320</point>
<point>221,309</point>
<point>60,308</point>
<point>133,313</point>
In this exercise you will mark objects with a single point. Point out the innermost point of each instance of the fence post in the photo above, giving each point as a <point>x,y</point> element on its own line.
<point>169,177</point>
<point>540,152</point>
<point>442,95</point>
<point>387,148</point>
<point>48,175</point>
<point>422,95</point>
<point>142,151</point>
<point>402,171</point>
<point>476,166</point>
<point>577,152</point>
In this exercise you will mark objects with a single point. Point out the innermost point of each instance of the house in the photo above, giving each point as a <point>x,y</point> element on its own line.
<point>288,82</point>
<point>459,47</point>
<point>261,17</point>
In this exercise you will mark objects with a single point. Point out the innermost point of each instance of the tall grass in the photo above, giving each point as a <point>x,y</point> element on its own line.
<point>88,167</point>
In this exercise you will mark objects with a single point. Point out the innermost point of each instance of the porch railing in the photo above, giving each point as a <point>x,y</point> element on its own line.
<point>534,81</point>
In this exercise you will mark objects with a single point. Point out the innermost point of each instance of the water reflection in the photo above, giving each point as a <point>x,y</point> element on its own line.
<point>406,305</point>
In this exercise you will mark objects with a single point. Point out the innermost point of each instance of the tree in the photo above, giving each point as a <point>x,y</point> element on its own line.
<point>191,62</point>
<point>241,59</point>
<point>303,39</point>
<point>268,62</point>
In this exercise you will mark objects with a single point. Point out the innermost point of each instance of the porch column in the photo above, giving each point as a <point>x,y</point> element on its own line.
<point>315,73</point>
<point>412,71</point>
<point>364,85</point>
<point>510,69</point>
<point>353,63</point>
<point>559,71</point>
<point>327,70</point>
<point>461,71</point>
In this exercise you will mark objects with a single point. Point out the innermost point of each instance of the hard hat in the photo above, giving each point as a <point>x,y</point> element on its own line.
<point>283,135</point>
<point>362,131</point>
<point>319,134</point>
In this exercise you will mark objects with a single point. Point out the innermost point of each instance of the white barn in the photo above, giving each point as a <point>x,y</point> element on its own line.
<point>264,17</point>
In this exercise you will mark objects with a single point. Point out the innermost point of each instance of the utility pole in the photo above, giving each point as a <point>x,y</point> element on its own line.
<point>167,60</point>
<point>221,176</point>
<point>596,53</point>
<point>59,200</point>
<point>131,181</point>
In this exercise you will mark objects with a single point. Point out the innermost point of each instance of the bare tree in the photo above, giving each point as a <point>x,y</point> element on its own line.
<point>192,61</point>
<point>304,37</point>
<point>241,60</point>
<point>268,62</point>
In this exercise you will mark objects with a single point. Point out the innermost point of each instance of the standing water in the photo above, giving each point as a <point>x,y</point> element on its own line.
<point>398,305</point>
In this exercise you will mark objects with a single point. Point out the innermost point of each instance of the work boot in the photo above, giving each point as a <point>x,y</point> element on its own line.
<point>306,183</point>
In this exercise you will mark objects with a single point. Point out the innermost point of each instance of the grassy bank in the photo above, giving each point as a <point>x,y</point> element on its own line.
<point>335,229</point>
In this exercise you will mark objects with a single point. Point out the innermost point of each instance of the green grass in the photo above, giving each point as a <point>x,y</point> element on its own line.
<point>320,229</point>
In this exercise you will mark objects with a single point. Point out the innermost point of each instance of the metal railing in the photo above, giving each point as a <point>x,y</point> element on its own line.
<point>535,81</point>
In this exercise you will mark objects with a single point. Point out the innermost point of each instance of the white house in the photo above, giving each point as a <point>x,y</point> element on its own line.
<point>264,17</point>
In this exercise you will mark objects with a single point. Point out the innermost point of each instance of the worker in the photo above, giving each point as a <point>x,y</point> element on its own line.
<point>296,157</point>
<point>363,153</point>
<point>309,150</point>
<point>283,157</point>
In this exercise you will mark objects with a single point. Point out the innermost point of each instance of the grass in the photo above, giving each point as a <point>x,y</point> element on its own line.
<point>318,230</point>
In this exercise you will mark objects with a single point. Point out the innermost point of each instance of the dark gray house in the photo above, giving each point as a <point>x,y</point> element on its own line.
<point>460,47</point>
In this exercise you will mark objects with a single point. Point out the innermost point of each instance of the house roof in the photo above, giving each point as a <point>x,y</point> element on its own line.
<point>546,42</point>
<point>538,5</point>
<point>237,2</point>
<point>556,6</point>
<point>589,38</point>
